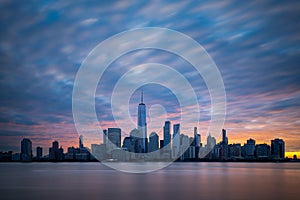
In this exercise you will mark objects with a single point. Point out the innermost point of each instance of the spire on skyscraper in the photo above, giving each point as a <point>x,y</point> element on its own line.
<point>142,124</point>
<point>142,96</point>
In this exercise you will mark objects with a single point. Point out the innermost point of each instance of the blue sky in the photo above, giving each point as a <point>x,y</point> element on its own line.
<point>256,46</point>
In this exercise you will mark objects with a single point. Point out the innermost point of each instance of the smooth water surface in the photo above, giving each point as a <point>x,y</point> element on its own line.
<point>178,181</point>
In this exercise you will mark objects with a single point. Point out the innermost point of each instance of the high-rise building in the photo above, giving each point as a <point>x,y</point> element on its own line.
<point>127,144</point>
<point>224,137</point>
<point>262,151</point>
<point>104,136</point>
<point>142,124</point>
<point>136,141</point>
<point>153,142</point>
<point>184,147</point>
<point>210,142</point>
<point>249,148</point>
<point>176,141</point>
<point>39,152</point>
<point>234,151</point>
<point>114,138</point>
<point>176,129</point>
<point>197,137</point>
<point>224,146</point>
<point>26,149</point>
<point>196,142</point>
<point>167,134</point>
<point>53,151</point>
<point>277,148</point>
<point>81,142</point>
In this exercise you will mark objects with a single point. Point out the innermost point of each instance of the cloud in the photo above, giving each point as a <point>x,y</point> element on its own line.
<point>89,21</point>
<point>254,44</point>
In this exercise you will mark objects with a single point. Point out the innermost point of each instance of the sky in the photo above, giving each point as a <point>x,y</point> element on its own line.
<point>255,45</point>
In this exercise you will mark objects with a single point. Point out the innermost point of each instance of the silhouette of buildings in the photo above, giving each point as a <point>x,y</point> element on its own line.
<point>56,153</point>
<point>153,142</point>
<point>262,151</point>
<point>39,152</point>
<point>249,149</point>
<point>142,125</point>
<point>277,148</point>
<point>178,147</point>
<point>26,150</point>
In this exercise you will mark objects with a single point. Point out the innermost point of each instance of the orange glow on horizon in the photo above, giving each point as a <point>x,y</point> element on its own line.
<point>291,154</point>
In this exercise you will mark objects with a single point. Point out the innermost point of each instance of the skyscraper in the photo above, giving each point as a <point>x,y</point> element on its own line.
<point>114,137</point>
<point>53,151</point>
<point>249,148</point>
<point>277,148</point>
<point>26,149</point>
<point>224,137</point>
<point>197,141</point>
<point>167,139</point>
<point>167,135</point>
<point>39,152</point>
<point>153,142</point>
<point>104,136</point>
<point>176,141</point>
<point>224,146</point>
<point>210,142</point>
<point>142,124</point>
<point>80,141</point>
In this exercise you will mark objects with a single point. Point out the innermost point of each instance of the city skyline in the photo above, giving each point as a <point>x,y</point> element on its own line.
<point>254,45</point>
<point>176,146</point>
<point>165,131</point>
<point>250,150</point>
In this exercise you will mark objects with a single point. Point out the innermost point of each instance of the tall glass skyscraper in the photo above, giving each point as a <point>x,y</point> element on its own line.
<point>167,134</point>
<point>26,149</point>
<point>142,124</point>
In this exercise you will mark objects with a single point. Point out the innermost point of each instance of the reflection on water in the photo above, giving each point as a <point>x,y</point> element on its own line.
<point>178,181</point>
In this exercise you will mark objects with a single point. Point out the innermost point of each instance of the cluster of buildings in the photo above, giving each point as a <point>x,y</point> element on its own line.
<point>178,146</point>
<point>56,153</point>
<point>182,147</point>
<point>138,146</point>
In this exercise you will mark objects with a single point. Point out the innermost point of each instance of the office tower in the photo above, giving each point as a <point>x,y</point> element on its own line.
<point>224,137</point>
<point>114,137</point>
<point>80,141</point>
<point>234,151</point>
<point>176,129</point>
<point>224,146</point>
<point>60,154</point>
<point>104,136</point>
<point>153,142</point>
<point>99,151</point>
<point>277,148</point>
<point>210,142</point>
<point>197,141</point>
<point>142,124</point>
<point>262,151</point>
<point>197,137</point>
<point>176,141</point>
<point>136,141</point>
<point>184,147</point>
<point>26,149</point>
<point>249,148</point>
<point>39,152</point>
<point>53,151</point>
<point>167,134</point>
<point>127,143</point>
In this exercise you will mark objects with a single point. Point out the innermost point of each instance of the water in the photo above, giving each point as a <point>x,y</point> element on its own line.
<point>178,181</point>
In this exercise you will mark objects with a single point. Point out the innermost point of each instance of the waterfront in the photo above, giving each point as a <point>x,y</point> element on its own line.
<point>178,181</point>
